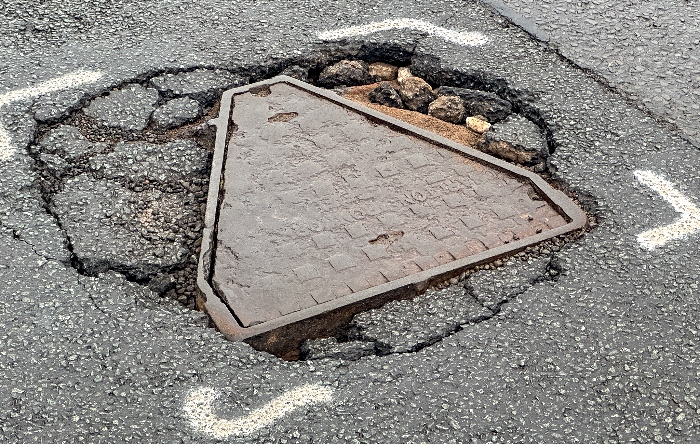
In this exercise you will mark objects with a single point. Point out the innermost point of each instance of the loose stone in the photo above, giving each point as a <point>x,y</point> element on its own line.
<point>383,71</point>
<point>486,104</point>
<point>416,93</point>
<point>385,94</point>
<point>447,108</point>
<point>403,73</point>
<point>478,124</point>
<point>345,72</point>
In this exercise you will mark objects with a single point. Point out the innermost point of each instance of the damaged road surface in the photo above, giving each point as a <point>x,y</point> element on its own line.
<point>103,190</point>
<point>326,209</point>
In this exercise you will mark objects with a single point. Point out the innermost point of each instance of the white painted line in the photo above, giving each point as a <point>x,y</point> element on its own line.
<point>67,81</point>
<point>6,150</point>
<point>198,409</point>
<point>460,38</point>
<point>689,222</point>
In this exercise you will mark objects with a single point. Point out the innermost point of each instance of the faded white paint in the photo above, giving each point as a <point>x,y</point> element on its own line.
<point>460,38</point>
<point>689,222</point>
<point>198,410</point>
<point>67,81</point>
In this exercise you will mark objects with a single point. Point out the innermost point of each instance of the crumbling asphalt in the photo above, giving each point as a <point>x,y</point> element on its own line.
<point>604,352</point>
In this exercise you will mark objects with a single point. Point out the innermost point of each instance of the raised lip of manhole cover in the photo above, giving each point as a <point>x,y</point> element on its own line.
<point>279,334</point>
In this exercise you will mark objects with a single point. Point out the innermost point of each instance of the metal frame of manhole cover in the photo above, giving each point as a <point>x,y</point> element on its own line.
<point>283,334</point>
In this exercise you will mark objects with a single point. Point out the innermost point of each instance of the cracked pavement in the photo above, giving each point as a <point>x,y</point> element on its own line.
<point>604,352</point>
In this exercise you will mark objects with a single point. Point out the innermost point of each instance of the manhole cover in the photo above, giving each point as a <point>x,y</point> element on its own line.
<point>326,208</point>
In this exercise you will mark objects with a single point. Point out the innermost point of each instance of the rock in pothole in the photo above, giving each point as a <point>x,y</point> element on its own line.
<point>128,109</point>
<point>415,92</point>
<point>113,227</point>
<point>383,71</point>
<point>477,124</point>
<point>203,85</point>
<point>447,108</point>
<point>345,73</point>
<point>385,94</point>
<point>481,103</point>
<point>139,161</point>
<point>176,112</point>
<point>403,73</point>
<point>518,140</point>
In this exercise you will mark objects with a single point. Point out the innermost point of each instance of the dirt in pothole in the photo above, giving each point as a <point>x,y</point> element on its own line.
<point>457,133</point>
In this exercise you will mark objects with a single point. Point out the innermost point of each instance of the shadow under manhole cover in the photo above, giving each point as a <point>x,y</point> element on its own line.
<point>326,208</point>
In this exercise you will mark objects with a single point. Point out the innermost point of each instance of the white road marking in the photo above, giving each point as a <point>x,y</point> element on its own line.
<point>71,80</point>
<point>460,38</point>
<point>689,222</point>
<point>198,409</point>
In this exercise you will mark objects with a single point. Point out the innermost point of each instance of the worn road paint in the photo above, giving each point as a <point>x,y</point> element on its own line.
<point>689,222</point>
<point>198,409</point>
<point>460,38</point>
<point>67,81</point>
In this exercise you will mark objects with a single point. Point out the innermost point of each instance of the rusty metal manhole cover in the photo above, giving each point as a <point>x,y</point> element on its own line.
<point>326,208</point>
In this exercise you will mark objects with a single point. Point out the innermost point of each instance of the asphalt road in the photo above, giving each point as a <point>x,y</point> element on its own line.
<point>606,352</point>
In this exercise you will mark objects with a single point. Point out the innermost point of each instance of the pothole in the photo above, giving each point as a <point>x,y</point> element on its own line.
<point>126,177</point>
<point>291,246</point>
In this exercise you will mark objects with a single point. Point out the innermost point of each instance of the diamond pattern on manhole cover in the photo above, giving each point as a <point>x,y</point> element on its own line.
<point>326,208</point>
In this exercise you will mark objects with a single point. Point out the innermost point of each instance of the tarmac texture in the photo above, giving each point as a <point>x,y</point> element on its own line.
<point>590,341</point>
